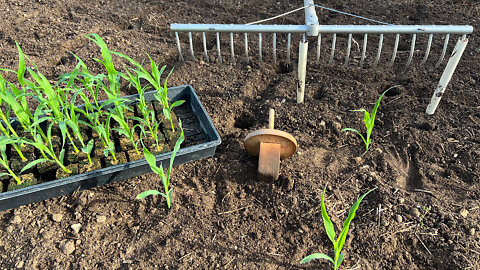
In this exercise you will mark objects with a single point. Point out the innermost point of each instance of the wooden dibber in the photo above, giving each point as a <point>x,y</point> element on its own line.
<point>270,145</point>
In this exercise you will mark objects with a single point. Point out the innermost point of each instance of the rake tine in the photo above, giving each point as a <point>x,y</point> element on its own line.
<point>379,51</point>
<point>179,48</point>
<point>218,49</point>
<point>447,37</point>
<point>289,40</point>
<point>349,46</point>
<point>231,48</point>
<point>274,48</point>
<point>319,43</point>
<point>412,49</point>
<point>427,51</point>
<point>205,47</point>
<point>260,47</point>
<point>246,47</point>
<point>334,40</point>
<point>191,45</point>
<point>364,49</point>
<point>395,48</point>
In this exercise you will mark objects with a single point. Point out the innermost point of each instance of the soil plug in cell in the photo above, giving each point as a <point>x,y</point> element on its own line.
<point>62,174</point>
<point>27,180</point>
<point>76,157</point>
<point>132,155</point>
<point>84,166</point>
<point>121,158</point>
<point>46,166</point>
<point>270,145</point>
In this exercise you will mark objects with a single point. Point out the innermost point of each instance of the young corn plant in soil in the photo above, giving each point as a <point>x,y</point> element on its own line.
<point>329,228</point>
<point>149,127</point>
<point>4,141</point>
<point>154,78</point>
<point>369,120</point>
<point>124,127</point>
<point>159,170</point>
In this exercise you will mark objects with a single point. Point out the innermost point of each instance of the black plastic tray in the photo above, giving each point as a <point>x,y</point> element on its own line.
<point>201,141</point>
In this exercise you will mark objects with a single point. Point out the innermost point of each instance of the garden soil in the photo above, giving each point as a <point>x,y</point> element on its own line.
<point>424,214</point>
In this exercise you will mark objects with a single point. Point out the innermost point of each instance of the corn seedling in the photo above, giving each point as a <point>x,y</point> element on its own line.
<point>154,78</point>
<point>159,170</point>
<point>369,119</point>
<point>124,127</point>
<point>329,228</point>
<point>3,158</point>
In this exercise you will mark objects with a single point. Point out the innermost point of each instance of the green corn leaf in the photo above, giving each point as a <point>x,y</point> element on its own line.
<point>5,174</point>
<point>326,220</point>
<point>33,163</point>
<point>87,149</point>
<point>346,224</point>
<point>340,260</point>
<point>177,103</point>
<point>63,129</point>
<point>21,66</point>
<point>358,132</point>
<point>148,193</point>
<point>175,149</point>
<point>62,155</point>
<point>316,256</point>
<point>152,161</point>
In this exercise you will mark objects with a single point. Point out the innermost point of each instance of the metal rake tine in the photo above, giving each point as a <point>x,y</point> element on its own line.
<point>412,50</point>
<point>395,48</point>
<point>179,47</point>
<point>379,51</point>
<point>319,44</point>
<point>191,45</point>
<point>232,51</point>
<point>445,44</point>
<point>349,46</point>
<point>246,47</point>
<point>334,40</point>
<point>260,47</point>
<point>364,49</point>
<point>218,49</point>
<point>205,47</point>
<point>274,48</point>
<point>427,51</point>
<point>289,40</point>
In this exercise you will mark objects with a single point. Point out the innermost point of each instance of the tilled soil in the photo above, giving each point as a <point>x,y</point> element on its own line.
<point>423,215</point>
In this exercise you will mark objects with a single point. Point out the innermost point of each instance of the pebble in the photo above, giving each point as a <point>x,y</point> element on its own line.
<point>76,227</point>
<point>464,212</point>
<point>16,220</point>
<point>401,200</point>
<point>68,247</point>
<point>57,217</point>
<point>358,160</point>
<point>101,219</point>
<point>322,123</point>
<point>19,264</point>
<point>471,231</point>
<point>416,212</point>
<point>399,219</point>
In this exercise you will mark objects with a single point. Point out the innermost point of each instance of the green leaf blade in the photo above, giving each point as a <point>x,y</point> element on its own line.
<point>316,256</point>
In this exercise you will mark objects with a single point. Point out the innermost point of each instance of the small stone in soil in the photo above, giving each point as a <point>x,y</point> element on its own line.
<point>416,212</point>
<point>67,247</point>
<point>76,227</point>
<point>471,231</point>
<point>16,219</point>
<point>464,213</point>
<point>399,219</point>
<point>57,217</point>
<point>101,219</point>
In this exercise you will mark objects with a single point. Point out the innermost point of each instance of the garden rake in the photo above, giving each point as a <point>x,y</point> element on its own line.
<point>312,28</point>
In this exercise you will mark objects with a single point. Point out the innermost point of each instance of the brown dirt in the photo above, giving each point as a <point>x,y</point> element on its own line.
<point>222,217</point>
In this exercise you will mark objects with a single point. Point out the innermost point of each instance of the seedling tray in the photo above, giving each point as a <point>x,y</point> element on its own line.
<point>201,140</point>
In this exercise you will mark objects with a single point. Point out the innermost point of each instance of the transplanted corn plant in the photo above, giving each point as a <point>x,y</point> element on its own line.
<point>4,141</point>
<point>369,120</point>
<point>329,228</point>
<point>154,78</point>
<point>165,178</point>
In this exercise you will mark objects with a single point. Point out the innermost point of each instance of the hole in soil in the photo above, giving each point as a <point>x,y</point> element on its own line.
<point>245,121</point>
<point>393,92</point>
<point>284,68</point>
